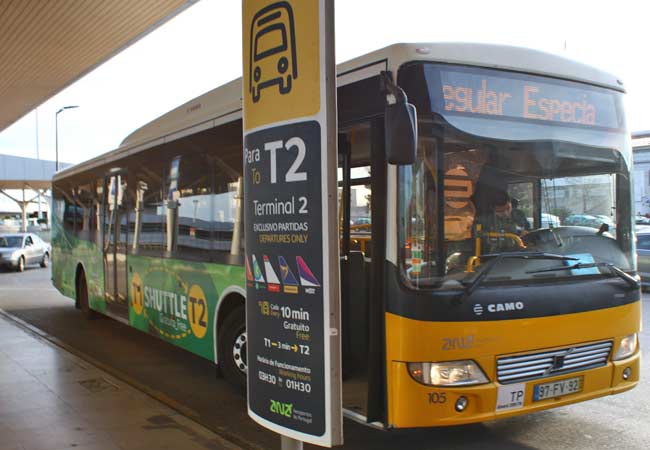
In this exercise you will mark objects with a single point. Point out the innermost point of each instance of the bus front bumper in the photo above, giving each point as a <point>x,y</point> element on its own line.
<point>416,405</point>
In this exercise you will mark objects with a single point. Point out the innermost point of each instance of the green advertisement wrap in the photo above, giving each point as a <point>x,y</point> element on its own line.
<point>172,299</point>
<point>68,251</point>
<point>177,300</point>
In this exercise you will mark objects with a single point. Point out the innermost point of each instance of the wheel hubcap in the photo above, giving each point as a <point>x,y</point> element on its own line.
<point>239,352</point>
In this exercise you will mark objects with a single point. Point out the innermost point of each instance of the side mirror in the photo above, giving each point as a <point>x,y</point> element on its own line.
<point>401,133</point>
<point>400,124</point>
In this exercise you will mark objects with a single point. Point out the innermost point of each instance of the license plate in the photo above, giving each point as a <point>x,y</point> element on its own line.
<point>557,388</point>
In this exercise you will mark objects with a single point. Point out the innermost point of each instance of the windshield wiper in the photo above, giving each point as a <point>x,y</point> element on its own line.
<point>615,271</point>
<point>472,285</point>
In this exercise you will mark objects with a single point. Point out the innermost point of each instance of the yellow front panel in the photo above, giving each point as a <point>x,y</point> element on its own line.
<point>411,404</point>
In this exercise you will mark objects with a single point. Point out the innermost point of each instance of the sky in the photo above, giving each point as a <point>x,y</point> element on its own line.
<point>200,49</point>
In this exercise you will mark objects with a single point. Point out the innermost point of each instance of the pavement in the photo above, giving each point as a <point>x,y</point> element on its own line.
<point>158,396</point>
<point>52,400</point>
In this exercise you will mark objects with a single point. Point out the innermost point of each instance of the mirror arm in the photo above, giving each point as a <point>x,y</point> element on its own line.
<point>394,94</point>
<point>400,123</point>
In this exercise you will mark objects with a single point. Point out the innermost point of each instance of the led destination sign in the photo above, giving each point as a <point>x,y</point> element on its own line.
<point>490,93</point>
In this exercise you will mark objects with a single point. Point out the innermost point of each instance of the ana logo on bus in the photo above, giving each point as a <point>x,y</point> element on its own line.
<point>272,50</point>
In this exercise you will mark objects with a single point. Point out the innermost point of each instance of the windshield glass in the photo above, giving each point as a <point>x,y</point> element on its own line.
<point>469,195</point>
<point>10,241</point>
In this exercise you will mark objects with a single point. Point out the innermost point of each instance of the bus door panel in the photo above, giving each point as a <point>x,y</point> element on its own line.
<point>115,244</point>
<point>344,227</point>
<point>361,311</point>
<point>354,195</point>
<point>360,107</point>
<point>377,389</point>
<point>108,246</point>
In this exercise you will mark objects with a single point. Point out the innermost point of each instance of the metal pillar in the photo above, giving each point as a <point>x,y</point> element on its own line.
<point>290,444</point>
<point>23,210</point>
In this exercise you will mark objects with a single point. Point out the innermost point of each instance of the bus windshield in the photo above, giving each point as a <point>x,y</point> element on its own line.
<point>487,185</point>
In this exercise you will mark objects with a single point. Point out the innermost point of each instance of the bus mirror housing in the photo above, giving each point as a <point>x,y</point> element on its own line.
<point>400,124</point>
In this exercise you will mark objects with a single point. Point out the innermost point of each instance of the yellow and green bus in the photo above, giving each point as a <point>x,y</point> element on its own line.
<point>488,274</point>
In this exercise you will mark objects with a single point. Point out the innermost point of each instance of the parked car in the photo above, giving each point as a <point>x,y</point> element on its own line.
<point>642,220</point>
<point>18,250</point>
<point>548,221</point>
<point>361,221</point>
<point>587,220</point>
<point>643,254</point>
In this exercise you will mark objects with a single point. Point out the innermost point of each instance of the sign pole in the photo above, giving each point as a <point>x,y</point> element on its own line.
<point>292,244</point>
<point>290,444</point>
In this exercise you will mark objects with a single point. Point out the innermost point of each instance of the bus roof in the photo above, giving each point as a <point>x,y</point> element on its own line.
<point>223,104</point>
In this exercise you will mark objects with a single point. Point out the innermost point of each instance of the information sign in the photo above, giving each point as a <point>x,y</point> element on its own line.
<point>292,303</point>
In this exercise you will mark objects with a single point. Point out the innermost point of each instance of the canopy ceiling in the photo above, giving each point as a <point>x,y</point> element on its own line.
<point>47,45</point>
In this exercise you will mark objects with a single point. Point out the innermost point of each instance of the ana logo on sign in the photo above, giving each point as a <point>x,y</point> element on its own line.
<point>284,409</point>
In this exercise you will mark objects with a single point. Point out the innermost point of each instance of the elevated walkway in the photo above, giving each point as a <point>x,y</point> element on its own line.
<point>33,177</point>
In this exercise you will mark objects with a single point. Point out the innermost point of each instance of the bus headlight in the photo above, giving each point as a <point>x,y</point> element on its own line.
<point>627,347</point>
<point>448,373</point>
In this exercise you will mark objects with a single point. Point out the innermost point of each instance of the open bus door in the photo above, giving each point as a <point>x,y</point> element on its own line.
<point>362,187</point>
<point>373,132</point>
<point>115,245</point>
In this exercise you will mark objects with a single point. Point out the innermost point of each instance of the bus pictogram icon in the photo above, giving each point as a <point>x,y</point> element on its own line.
<point>272,50</point>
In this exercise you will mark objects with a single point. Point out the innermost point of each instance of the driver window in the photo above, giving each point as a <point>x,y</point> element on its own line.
<point>521,195</point>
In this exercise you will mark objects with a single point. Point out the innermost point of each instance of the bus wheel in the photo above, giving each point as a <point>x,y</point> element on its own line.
<point>82,297</point>
<point>232,348</point>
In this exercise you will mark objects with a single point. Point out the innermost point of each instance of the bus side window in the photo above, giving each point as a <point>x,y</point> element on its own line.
<point>224,214</point>
<point>194,206</point>
<point>69,211</point>
<point>87,219</point>
<point>147,215</point>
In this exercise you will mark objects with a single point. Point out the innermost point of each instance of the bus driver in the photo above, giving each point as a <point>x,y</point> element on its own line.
<point>505,217</point>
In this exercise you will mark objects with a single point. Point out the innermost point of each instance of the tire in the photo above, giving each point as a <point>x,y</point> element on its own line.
<point>21,264</point>
<point>232,349</point>
<point>45,261</point>
<point>82,298</point>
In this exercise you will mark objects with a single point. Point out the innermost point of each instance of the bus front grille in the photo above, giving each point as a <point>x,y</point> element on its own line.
<point>512,369</point>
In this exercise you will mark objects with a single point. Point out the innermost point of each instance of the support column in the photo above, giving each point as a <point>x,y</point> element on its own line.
<point>22,205</point>
<point>39,204</point>
<point>23,210</point>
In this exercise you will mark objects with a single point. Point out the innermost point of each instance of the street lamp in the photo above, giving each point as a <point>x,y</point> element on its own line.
<point>56,131</point>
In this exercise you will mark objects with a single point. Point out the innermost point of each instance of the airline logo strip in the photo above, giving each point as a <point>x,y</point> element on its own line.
<point>285,182</point>
<point>289,283</point>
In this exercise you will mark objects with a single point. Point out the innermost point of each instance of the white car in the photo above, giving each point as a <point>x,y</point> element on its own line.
<point>548,220</point>
<point>18,250</point>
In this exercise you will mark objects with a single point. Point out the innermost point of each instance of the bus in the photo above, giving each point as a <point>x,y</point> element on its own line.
<point>457,306</point>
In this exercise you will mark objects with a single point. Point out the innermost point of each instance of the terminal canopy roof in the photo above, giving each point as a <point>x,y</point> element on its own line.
<point>47,45</point>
